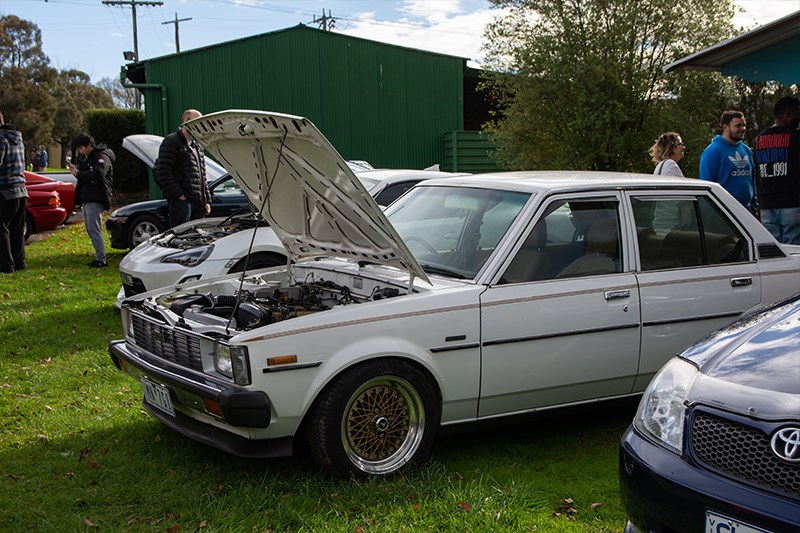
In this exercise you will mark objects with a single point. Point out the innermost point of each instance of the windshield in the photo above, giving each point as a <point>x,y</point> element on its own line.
<point>453,231</point>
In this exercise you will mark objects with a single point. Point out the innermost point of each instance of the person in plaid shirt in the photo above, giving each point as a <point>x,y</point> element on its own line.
<point>13,199</point>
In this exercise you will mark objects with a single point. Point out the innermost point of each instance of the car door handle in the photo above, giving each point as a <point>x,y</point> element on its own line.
<point>740,282</point>
<point>616,295</point>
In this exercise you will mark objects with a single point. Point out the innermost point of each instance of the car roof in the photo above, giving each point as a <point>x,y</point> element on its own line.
<point>390,176</point>
<point>539,181</point>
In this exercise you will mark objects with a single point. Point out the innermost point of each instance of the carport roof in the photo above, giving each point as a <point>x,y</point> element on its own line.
<point>767,53</point>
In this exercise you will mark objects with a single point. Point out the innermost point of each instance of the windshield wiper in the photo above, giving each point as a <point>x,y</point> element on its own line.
<point>436,269</point>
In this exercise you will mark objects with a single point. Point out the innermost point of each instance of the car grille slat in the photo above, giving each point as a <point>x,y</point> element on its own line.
<point>170,344</point>
<point>742,452</point>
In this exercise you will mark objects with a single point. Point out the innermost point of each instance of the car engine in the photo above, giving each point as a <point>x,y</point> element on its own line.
<point>207,232</point>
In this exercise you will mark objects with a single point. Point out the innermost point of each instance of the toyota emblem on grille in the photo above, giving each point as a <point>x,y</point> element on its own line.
<point>786,444</point>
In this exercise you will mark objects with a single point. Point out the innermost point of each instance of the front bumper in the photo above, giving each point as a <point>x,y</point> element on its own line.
<point>117,232</point>
<point>238,408</point>
<point>663,492</point>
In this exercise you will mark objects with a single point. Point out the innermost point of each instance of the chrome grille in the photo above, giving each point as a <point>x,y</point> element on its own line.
<point>168,343</point>
<point>743,452</point>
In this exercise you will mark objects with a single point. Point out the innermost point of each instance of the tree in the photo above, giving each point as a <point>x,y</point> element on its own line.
<point>580,82</point>
<point>25,79</point>
<point>75,94</point>
<point>123,97</point>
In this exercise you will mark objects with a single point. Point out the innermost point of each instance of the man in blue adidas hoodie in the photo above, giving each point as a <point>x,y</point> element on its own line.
<point>729,162</point>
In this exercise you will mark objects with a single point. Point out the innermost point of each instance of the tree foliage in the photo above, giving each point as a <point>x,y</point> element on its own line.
<point>123,97</point>
<point>45,104</point>
<point>580,82</point>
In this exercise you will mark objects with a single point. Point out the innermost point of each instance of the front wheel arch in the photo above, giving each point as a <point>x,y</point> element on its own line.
<point>361,450</point>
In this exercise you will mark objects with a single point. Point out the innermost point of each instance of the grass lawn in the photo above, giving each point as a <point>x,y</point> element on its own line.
<point>79,453</point>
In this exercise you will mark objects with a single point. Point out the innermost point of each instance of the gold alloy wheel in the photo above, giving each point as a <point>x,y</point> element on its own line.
<point>383,424</point>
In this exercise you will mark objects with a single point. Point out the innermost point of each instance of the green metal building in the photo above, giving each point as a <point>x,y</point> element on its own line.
<point>386,104</point>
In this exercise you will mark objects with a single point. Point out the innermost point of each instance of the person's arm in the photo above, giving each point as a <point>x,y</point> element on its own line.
<point>708,166</point>
<point>165,165</point>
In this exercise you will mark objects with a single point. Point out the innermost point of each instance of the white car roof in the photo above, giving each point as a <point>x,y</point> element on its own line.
<point>145,146</point>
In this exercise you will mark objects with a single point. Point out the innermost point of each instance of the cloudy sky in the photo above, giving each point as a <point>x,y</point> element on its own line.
<point>91,36</point>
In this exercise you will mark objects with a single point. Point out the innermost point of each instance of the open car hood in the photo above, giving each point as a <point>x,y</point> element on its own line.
<point>145,147</point>
<point>303,187</point>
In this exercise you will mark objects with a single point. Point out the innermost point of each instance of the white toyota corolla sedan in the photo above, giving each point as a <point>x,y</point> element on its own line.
<point>470,298</point>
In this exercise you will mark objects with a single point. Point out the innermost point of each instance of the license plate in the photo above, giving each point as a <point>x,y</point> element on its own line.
<point>127,279</point>
<point>717,523</point>
<point>157,395</point>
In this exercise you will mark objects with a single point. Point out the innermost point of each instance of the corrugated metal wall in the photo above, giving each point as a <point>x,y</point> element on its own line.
<point>385,104</point>
<point>468,151</point>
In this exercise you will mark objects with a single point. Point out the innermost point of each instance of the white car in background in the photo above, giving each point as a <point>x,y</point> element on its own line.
<point>210,247</point>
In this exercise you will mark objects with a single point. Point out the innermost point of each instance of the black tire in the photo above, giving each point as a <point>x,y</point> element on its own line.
<point>30,227</point>
<point>142,228</point>
<point>259,260</point>
<point>373,419</point>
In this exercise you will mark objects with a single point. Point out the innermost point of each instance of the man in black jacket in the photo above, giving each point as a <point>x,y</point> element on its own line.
<point>181,173</point>
<point>94,172</point>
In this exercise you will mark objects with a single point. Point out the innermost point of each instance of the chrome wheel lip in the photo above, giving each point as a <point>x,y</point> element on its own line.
<point>416,425</point>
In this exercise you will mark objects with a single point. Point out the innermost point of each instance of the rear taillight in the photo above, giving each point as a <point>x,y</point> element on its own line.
<point>54,200</point>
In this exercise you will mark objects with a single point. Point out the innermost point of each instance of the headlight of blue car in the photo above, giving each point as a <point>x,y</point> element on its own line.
<point>190,258</point>
<point>661,411</point>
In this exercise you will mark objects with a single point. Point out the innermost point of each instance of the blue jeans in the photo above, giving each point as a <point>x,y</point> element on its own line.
<point>784,223</point>
<point>181,211</point>
<point>92,215</point>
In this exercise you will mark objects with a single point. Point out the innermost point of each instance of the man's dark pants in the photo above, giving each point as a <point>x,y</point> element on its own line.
<point>12,234</point>
<point>181,211</point>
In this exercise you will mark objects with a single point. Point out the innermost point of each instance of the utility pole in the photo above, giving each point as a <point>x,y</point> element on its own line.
<point>133,4</point>
<point>326,23</point>
<point>177,38</point>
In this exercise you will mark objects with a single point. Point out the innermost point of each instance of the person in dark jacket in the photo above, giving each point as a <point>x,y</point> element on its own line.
<point>13,199</point>
<point>181,173</point>
<point>94,172</point>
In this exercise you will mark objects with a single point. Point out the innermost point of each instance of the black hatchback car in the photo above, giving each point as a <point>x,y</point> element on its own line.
<point>715,444</point>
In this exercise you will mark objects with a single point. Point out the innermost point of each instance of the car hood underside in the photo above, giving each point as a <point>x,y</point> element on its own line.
<point>302,186</point>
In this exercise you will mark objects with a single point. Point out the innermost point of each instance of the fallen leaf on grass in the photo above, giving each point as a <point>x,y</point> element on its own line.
<point>596,505</point>
<point>464,506</point>
<point>69,474</point>
<point>15,477</point>
<point>202,524</point>
<point>174,529</point>
<point>90,523</point>
<point>93,464</point>
<point>84,452</point>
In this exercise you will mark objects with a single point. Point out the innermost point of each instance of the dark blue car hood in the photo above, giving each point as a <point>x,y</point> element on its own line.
<point>760,351</point>
<point>751,367</point>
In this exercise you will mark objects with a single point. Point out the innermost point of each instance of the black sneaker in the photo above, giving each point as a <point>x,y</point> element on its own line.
<point>98,264</point>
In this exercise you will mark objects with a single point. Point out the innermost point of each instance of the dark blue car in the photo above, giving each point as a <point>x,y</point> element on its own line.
<point>715,444</point>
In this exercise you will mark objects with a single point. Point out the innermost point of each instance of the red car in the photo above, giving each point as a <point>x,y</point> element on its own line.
<point>66,191</point>
<point>43,211</point>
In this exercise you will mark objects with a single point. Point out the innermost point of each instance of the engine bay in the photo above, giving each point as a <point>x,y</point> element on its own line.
<point>262,300</point>
<point>207,232</point>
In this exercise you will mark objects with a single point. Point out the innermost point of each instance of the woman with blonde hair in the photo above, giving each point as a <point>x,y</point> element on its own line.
<point>667,152</point>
